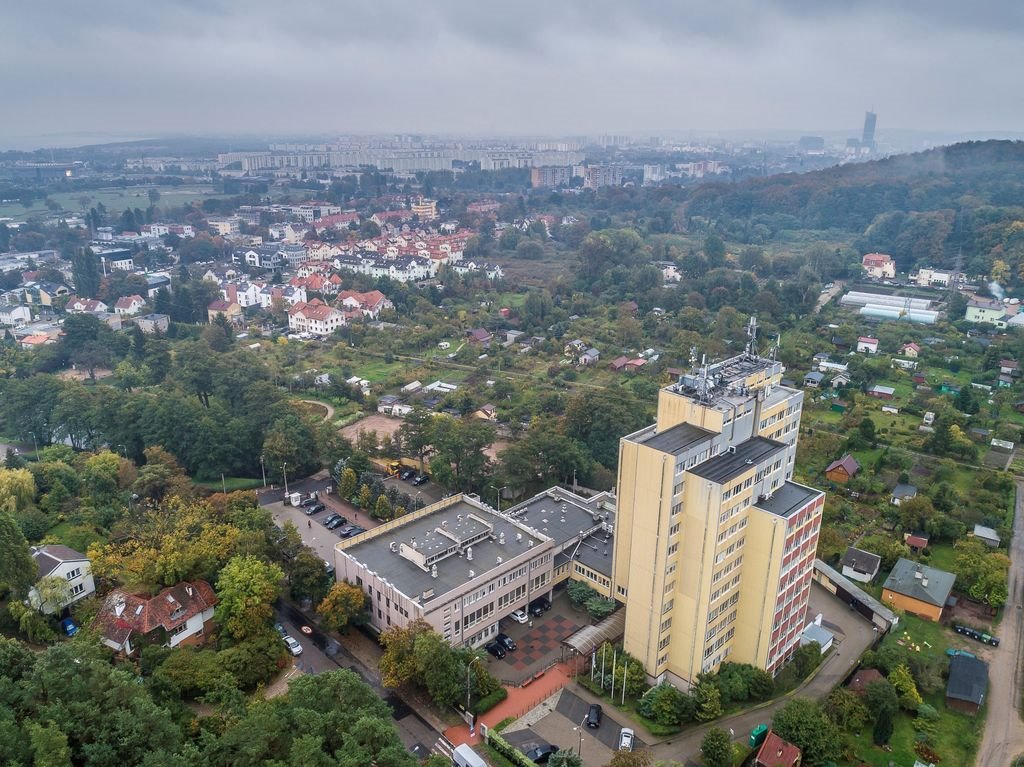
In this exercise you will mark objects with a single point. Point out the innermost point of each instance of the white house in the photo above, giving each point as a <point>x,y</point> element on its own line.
<point>859,565</point>
<point>129,305</point>
<point>315,317</point>
<point>70,568</point>
<point>15,316</point>
<point>184,613</point>
<point>867,345</point>
<point>879,265</point>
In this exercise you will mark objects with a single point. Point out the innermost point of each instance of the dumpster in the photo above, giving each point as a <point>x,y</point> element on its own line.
<point>757,735</point>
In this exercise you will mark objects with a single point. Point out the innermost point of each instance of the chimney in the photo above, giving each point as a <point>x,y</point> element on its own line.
<point>433,571</point>
<point>469,553</point>
<point>924,582</point>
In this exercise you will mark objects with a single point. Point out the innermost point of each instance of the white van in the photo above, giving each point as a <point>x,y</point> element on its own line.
<point>464,756</point>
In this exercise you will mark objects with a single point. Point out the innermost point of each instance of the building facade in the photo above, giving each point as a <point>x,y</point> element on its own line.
<point>714,546</point>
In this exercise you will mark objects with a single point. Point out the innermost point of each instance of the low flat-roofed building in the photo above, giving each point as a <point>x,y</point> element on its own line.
<point>457,564</point>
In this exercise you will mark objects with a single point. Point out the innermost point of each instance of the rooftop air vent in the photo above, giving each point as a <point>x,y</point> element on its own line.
<point>393,546</point>
<point>433,571</point>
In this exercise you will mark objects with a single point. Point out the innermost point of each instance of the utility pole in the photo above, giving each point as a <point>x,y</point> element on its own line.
<point>284,472</point>
<point>263,471</point>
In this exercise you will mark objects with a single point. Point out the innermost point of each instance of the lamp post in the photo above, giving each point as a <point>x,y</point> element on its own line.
<point>263,471</point>
<point>284,472</point>
<point>579,749</point>
<point>469,666</point>
<point>497,494</point>
<point>35,443</point>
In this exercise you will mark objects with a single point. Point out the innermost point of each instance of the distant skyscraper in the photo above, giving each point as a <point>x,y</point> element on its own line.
<point>868,139</point>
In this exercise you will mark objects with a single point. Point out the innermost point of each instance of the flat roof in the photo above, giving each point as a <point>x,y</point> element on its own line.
<point>452,528</point>
<point>676,439</point>
<point>726,466</point>
<point>562,515</point>
<point>788,499</point>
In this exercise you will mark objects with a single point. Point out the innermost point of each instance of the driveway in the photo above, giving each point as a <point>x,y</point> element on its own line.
<point>828,295</point>
<point>1003,738</point>
<point>322,653</point>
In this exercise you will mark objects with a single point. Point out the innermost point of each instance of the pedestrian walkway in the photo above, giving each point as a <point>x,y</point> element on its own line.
<point>519,701</point>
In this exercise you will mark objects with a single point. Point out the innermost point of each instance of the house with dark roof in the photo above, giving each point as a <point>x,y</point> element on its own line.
<point>864,677</point>
<point>776,752</point>
<point>179,615</point>
<point>902,493</point>
<point>479,336</point>
<point>813,379</point>
<point>71,574</point>
<point>918,589</point>
<point>967,685</point>
<point>860,565</point>
<point>843,470</point>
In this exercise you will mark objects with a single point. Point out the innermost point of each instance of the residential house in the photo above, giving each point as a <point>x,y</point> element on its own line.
<point>910,351</point>
<point>589,357</point>
<point>634,365</point>
<point>916,541</point>
<point>840,380</point>
<point>37,340</point>
<point>902,364</point>
<point>479,336</point>
<point>927,277</point>
<point>231,311</point>
<point>370,304</point>
<point>902,493</point>
<point>986,311</point>
<point>129,305</point>
<point>179,615</point>
<point>153,323</point>
<point>867,344</point>
<point>843,470</point>
<point>619,363</point>
<point>860,565</point>
<point>776,752</point>
<point>15,316</point>
<point>76,305</point>
<point>918,589</point>
<point>813,380</point>
<point>878,266</point>
<point>967,685</point>
<point>881,392</point>
<point>72,568</point>
<point>315,317</point>
<point>156,282</point>
<point>44,293</point>
<point>987,535</point>
<point>487,412</point>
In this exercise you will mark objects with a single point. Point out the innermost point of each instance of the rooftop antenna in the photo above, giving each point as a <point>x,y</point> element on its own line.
<point>704,382</point>
<point>752,337</point>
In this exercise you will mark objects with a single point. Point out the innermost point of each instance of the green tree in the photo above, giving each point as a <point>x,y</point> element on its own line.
<point>709,701</point>
<point>344,604</point>
<point>438,668</point>
<point>398,663</point>
<point>365,497</point>
<point>307,575</point>
<point>880,696</point>
<point>17,568</point>
<point>382,510</point>
<point>803,723</point>
<point>417,432</point>
<point>716,748</point>
<point>901,679</point>
<point>846,709</point>
<point>807,658</point>
<point>347,485</point>
<point>85,272</point>
<point>17,486</point>
<point>882,731</point>
<point>460,463</point>
<point>246,590</point>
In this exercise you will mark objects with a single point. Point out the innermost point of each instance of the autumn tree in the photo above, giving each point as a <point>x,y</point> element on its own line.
<point>246,590</point>
<point>398,663</point>
<point>344,604</point>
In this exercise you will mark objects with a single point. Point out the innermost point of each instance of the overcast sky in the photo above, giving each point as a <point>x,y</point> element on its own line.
<point>153,67</point>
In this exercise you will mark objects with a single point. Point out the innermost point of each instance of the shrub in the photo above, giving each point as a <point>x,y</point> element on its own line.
<point>507,750</point>
<point>488,702</point>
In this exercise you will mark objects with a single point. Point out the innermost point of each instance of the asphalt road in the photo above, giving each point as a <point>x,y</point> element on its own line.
<point>321,653</point>
<point>1003,739</point>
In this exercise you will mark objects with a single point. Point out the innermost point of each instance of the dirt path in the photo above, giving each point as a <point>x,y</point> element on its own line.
<point>1003,739</point>
<point>828,295</point>
<point>330,408</point>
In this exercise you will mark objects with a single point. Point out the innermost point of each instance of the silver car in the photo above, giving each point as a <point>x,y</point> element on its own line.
<point>293,645</point>
<point>625,739</point>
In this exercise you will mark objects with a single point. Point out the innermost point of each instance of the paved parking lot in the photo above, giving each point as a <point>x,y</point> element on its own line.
<point>429,493</point>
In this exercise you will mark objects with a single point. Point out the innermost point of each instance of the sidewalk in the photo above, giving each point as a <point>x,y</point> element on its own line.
<point>519,701</point>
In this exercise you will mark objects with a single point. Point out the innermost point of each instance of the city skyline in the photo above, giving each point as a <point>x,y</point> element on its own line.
<point>120,68</point>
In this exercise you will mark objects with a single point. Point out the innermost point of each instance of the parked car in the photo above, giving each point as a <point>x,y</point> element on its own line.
<point>69,627</point>
<point>351,530</point>
<point>329,518</point>
<point>407,474</point>
<point>329,568</point>
<point>539,606</point>
<point>625,739</point>
<point>541,754</point>
<point>594,715</point>
<point>336,523</point>
<point>293,645</point>
<point>519,616</point>
<point>495,649</point>
<point>316,507</point>
<point>280,630</point>
<point>345,530</point>
<point>422,479</point>
<point>506,641</point>
<point>308,502</point>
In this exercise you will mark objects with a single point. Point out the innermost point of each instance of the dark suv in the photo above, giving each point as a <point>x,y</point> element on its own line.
<point>539,606</point>
<point>594,715</point>
<point>506,641</point>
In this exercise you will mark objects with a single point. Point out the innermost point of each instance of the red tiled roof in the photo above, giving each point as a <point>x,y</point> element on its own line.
<point>776,752</point>
<point>124,613</point>
<point>863,678</point>
<point>125,302</point>
<point>847,462</point>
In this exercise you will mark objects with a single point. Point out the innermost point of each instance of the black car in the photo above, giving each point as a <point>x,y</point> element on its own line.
<point>308,502</point>
<point>594,715</point>
<point>351,530</point>
<point>539,606</point>
<point>315,508</point>
<point>335,523</point>
<point>495,649</point>
<point>541,754</point>
<point>506,641</point>
<point>407,474</point>
<point>422,479</point>
<point>330,518</point>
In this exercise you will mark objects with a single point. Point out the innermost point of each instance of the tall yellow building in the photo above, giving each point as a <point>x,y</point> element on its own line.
<point>714,542</point>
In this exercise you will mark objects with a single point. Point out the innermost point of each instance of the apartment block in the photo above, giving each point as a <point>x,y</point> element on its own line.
<point>714,542</point>
<point>550,176</point>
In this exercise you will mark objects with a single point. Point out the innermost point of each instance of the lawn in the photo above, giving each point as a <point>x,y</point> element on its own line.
<point>942,556</point>
<point>115,200</point>
<point>231,484</point>
<point>74,536</point>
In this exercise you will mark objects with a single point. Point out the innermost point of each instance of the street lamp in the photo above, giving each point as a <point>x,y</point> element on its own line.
<point>497,492</point>
<point>284,471</point>
<point>469,666</point>
<point>263,471</point>
<point>35,443</point>
<point>579,750</point>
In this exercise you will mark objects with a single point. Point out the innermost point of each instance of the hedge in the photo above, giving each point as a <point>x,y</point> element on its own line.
<point>488,702</point>
<point>507,750</point>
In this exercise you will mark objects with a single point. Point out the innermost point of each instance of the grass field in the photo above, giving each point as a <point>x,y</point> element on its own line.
<point>231,484</point>
<point>115,200</point>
